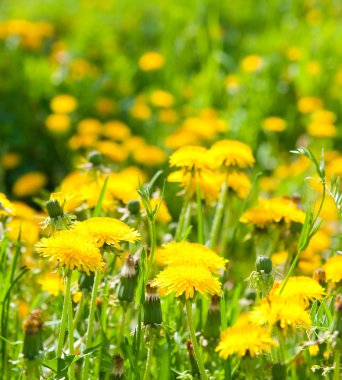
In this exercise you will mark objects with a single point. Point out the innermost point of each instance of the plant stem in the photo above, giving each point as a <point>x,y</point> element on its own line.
<point>289,273</point>
<point>153,242</point>
<point>198,357</point>
<point>149,355</point>
<point>337,364</point>
<point>181,219</point>
<point>64,316</point>
<point>218,216</point>
<point>200,237</point>
<point>71,338</point>
<point>91,323</point>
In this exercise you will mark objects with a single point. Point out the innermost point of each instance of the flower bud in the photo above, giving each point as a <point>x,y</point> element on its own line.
<point>263,264</point>
<point>54,209</point>
<point>95,158</point>
<point>319,275</point>
<point>118,372</point>
<point>212,325</point>
<point>133,207</point>
<point>152,309</point>
<point>193,363</point>
<point>33,342</point>
<point>128,280</point>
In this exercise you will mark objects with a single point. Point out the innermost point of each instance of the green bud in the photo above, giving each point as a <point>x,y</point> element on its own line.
<point>128,280</point>
<point>54,209</point>
<point>95,158</point>
<point>212,325</point>
<point>263,263</point>
<point>133,207</point>
<point>33,342</point>
<point>152,308</point>
<point>193,363</point>
<point>118,371</point>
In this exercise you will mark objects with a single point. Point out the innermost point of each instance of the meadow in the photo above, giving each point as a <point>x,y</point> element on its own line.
<point>170,189</point>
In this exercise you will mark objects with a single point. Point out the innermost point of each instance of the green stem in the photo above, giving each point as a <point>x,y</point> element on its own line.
<point>71,339</point>
<point>80,307</point>
<point>122,327</point>
<point>289,273</point>
<point>198,357</point>
<point>200,236</point>
<point>149,355</point>
<point>64,316</point>
<point>181,219</point>
<point>337,364</point>
<point>153,237</point>
<point>218,216</point>
<point>91,321</point>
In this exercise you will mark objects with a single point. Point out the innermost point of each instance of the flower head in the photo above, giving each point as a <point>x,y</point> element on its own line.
<point>6,207</point>
<point>284,312</point>
<point>333,268</point>
<point>192,157</point>
<point>245,338</point>
<point>187,279</point>
<point>29,184</point>
<point>72,249</point>
<point>301,288</point>
<point>106,230</point>
<point>192,254</point>
<point>232,153</point>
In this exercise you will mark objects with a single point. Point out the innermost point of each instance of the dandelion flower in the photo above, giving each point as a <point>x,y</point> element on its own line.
<point>274,124</point>
<point>51,283</point>
<point>333,268</point>
<point>192,254</point>
<point>6,207</point>
<point>109,231</point>
<point>151,61</point>
<point>72,250</point>
<point>63,104</point>
<point>29,184</point>
<point>301,288</point>
<point>245,339</point>
<point>192,157</point>
<point>278,310</point>
<point>232,153</point>
<point>185,279</point>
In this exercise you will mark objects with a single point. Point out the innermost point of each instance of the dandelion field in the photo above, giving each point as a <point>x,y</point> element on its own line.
<point>170,189</point>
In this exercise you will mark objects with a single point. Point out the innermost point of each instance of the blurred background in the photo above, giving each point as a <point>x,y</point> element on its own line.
<point>136,80</point>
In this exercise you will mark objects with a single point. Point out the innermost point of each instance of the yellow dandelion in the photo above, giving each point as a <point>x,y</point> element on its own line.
<point>116,130</point>
<point>106,230</point>
<point>23,211</point>
<point>192,254</point>
<point>151,61</point>
<point>112,150</point>
<point>274,124</point>
<point>252,63</point>
<point>28,230</point>
<point>160,98</point>
<point>232,153</point>
<point>149,155</point>
<point>187,280</point>
<point>6,207</point>
<point>58,123</point>
<point>301,288</point>
<point>333,268</point>
<point>275,310</point>
<point>245,339</point>
<point>63,104</point>
<point>192,157</point>
<point>309,104</point>
<point>51,283</point>
<point>72,250</point>
<point>140,110</point>
<point>10,160</point>
<point>318,129</point>
<point>29,184</point>
<point>89,126</point>
<point>240,183</point>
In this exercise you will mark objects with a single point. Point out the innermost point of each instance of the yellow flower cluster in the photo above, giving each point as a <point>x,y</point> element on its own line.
<point>273,210</point>
<point>189,270</point>
<point>245,338</point>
